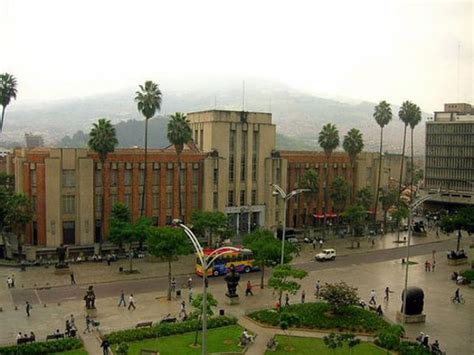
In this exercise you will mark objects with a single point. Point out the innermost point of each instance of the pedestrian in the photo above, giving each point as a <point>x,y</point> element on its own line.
<point>173,285</point>
<point>387,293</point>
<point>122,299</point>
<point>131,302</point>
<point>434,254</point>
<point>182,309</point>
<point>318,288</point>
<point>105,346</point>
<point>321,243</point>
<point>433,265</point>
<point>13,281</point>
<point>32,337</point>
<point>314,244</point>
<point>9,282</point>
<point>437,234</point>
<point>19,336</point>
<point>287,300</point>
<point>88,324</point>
<point>278,306</point>
<point>190,283</point>
<point>372,242</point>
<point>72,321</point>
<point>73,280</point>
<point>427,263</point>
<point>190,297</point>
<point>303,296</point>
<point>248,289</point>
<point>67,327</point>
<point>372,298</point>
<point>109,259</point>
<point>28,308</point>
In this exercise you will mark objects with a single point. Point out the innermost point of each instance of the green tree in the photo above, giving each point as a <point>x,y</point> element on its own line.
<point>340,190</point>
<point>353,144</point>
<point>8,91</point>
<point>6,192</point>
<point>168,243</point>
<point>284,279</point>
<point>102,140</point>
<point>19,214</point>
<point>210,224</point>
<point>400,213</point>
<point>179,133</point>
<point>333,341</point>
<point>328,139</point>
<point>197,313</point>
<point>382,115</point>
<point>266,250</point>
<point>339,296</point>
<point>148,101</point>
<point>310,181</point>
<point>350,340</point>
<point>365,198</point>
<point>356,217</point>
<point>388,199</point>
<point>463,219</point>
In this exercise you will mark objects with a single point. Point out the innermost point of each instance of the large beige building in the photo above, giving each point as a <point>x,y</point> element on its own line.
<point>449,161</point>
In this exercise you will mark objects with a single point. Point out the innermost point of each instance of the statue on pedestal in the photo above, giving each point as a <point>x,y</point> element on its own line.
<point>232,279</point>
<point>415,301</point>
<point>61,254</point>
<point>90,298</point>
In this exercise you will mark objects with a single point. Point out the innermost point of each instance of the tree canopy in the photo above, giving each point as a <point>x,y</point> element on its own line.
<point>340,190</point>
<point>8,91</point>
<point>365,198</point>
<point>210,223</point>
<point>284,279</point>
<point>339,296</point>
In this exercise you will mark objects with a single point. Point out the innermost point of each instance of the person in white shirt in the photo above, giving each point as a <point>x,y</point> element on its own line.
<point>131,302</point>
<point>372,297</point>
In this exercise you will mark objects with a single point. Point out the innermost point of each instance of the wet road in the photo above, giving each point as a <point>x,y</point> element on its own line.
<point>67,293</point>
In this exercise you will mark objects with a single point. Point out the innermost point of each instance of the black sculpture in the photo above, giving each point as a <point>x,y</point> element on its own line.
<point>90,298</point>
<point>415,301</point>
<point>61,254</point>
<point>232,279</point>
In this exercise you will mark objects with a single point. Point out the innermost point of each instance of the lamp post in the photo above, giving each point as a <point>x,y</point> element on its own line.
<point>411,208</point>
<point>206,261</point>
<point>285,197</point>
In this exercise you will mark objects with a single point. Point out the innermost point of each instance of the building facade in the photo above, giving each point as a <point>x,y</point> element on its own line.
<point>449,160</point>
<point>229,167</point>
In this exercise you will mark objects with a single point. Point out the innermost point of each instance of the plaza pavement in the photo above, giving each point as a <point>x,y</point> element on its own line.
<point>452,325</point>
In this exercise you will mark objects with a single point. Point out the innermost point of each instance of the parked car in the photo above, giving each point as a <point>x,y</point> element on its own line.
<point>326,254</point>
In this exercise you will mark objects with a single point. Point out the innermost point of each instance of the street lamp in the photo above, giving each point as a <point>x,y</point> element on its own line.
<point>206,261</point>
<point>279,192</point>
<point>412,207</point>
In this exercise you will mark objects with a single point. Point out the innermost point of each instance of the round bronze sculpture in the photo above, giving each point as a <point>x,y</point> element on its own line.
<point>232,279</point>
<point>415,301</point>
<point>61,254</point>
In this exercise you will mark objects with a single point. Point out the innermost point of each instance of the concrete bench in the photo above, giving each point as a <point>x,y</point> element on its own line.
<point>24,340</point>
<point>144,324</point>
<point>55,336</point>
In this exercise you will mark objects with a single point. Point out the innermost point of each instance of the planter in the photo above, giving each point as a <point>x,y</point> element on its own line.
<point>454,262</point>
<point>405,318</point>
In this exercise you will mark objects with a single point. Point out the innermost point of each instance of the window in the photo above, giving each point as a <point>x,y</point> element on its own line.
<point>69,204</point>
<point>113,199</point>
<point>215,200</point>
<point>33,178</point>
<point>128,177</point>
<point>231,155</point>
<point>231,168</point>
<point>183,203</point>
<point>195,199</point>
<point>128,201</point>
<point>156,201</point>
<point>215,177</point>
<point>169,177</point>
<point>195,177</point>
<point>113,177</point>
<point>254,197</point>
<point>156,177</point>
<point>169,199</point>
<point>243,157</point>
<point>242,197</point>
<point>98,178</point>
<point>69,178</point>
<point>182,176</point>
<point>33,203</point>
<point>230,198</point>
<point>142,177</point>
<point>98,203</point>
<point>169,220</point>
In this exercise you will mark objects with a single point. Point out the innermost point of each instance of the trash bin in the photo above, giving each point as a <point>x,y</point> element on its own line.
<point>178,293</point>
<point>221,312</point>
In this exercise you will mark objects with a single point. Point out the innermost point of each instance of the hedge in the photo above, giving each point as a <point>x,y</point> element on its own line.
<point>389,338</point>
<point>43,347</point>
<point>165,329</point>
<point>413,348</point>
<point>318,316</point>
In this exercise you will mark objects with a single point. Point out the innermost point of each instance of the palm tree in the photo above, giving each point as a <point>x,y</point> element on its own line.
<point>382,115</point>
<point>328,140</point>
<point>7,92</point>
<point>179,133</point>
<point>353,144</point>
<point>415,118</point>
<point>102,140</point>
<point>148,101</point>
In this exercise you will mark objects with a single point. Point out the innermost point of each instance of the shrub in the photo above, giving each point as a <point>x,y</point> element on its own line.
<point>339,296</point>
<point>165,329</point>
<point>389,338</point>
<point>412,348</point>
<point>316,315</point>
<point>42,347</point>
<point>468,274</point>
<point>122,349</point>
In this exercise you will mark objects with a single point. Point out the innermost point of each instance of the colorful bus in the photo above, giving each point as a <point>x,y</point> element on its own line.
<point>242,260</point>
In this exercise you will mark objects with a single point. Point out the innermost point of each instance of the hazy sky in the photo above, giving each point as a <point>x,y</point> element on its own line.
<point>369,50</point>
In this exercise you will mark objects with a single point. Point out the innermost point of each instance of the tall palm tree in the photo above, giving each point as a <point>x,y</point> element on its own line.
<point>102,140</point>
<point>179,133</point>
<point>415,118</point>
<point>148,101</point>
<point>382,115</point>
<point>328,140</point>
<point>353,144</point>
<point>8,91</point>
<point>405,114</point>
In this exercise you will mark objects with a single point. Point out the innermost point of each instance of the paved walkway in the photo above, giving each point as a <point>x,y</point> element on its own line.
<point>92,343</point>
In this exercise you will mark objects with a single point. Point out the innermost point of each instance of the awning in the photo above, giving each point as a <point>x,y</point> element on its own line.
<point>328,215</point>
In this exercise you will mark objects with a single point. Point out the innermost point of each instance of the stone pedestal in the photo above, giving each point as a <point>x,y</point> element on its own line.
<point>406,318</point>
<point>62,271</point>
<point>91,312</point>
<point>233,300</point>
<point>454,262</point>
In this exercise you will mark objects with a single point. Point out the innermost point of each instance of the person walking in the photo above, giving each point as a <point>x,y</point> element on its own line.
<point>457,296</point>
<point>182,309</point>
<point>248,289</point>
<point>88,325</point>
<point>427,263</point>
<point>303,296</point>
<point>318,288</point>
<point>122,299</point>
<point>28,308</point>
<point>278,306</point>
<point>73,279</point>
<point>190,296</point>
<point>321,243</point>
<point>173,285</point>
<point>131,302</point>
<point>433,265</point>
<point>13,281</point>
<point>437,234</point>
<point>9,282</point>
<point>387,293</point>
<point>190,283</point>
<point>314,244</point>
<point>105,346</point>
<point>287,300</point>
<point>372,298</point>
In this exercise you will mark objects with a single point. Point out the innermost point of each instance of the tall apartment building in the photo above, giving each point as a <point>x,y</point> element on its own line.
<point>33,140</point>
<point>449,161</point>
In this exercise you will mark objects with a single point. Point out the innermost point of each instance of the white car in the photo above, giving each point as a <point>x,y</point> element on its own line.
<point>326,254</point>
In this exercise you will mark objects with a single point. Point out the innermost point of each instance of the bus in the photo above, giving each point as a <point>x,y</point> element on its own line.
<point>242,260</point>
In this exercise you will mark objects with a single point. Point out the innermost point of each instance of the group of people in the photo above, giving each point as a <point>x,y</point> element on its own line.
<point>424,339</point>
<point>25,337</point>
<point>71,328</point>
<point>131,301</point>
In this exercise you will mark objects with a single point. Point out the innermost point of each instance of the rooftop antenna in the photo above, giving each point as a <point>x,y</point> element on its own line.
<point>243,95</point>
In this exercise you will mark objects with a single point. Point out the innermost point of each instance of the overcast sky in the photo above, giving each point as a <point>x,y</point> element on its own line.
<point>370,50</point>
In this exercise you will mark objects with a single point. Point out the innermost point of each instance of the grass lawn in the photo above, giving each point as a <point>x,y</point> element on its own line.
<point>73,352</point>
<point>468,274</point>
<point>219,340</point>
<point>300,345</point>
